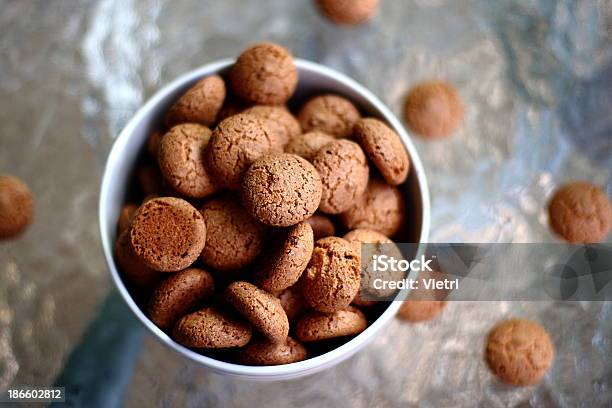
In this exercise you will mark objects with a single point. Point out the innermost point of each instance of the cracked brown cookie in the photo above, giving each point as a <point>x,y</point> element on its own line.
<point>264,73</point>
<point>384,148</point>
<point>286,259</point>
<point>350,12</point>
<point>519,352</point>
<point>322,226</point>
<point>126,215</point>
<point>266,352</point>
<point>280,121</point>
<point>293,302</point>
<point>212,328</point>
<point>168,234</point>
<point>200,104</point>
<point>259,307</point>
<point>316,326</point>
<point>234,238</point>
<point>344,174</point>
<point>135,271</point>
<point>580,212</point>
<point>16,207</point>
<point>235,144</point>
<point>281,189</point>
<point>308,144</point>
<point>331,114</point>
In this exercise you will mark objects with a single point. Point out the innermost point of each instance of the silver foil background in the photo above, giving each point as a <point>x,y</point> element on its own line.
<point>536,79</point>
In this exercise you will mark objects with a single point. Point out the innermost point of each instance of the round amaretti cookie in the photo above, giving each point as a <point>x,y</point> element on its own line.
<point>235,239</point>
<point>178,295</point>
<point>264,73</point>
<point>381,208</point>
<point>331,114</point>
<point>344,173</point>
<point>384,148</point>
<point>308,144</point>
<point>420,310</point>
<point>286,259</point>
<point>153,143</point>
<point>212,327</point>
<point>580,212</point>
<point>279,120</point>
<point>322,226</point>
<point>16,207</point>
<point>200,104</point>
<point>281,189</point>
<point>181,160</point>
<point>519,352</point>
<point>433,109</point>
<point>266,352</point>
<point>135,271</point>
<point>316,326</point>
<point>332,278</point>
<point>350,12</point>
<point>168,234</point>
<point>259,307</point>
<point>126,215</point>
<point>293,302</point>
<point>235,144</point>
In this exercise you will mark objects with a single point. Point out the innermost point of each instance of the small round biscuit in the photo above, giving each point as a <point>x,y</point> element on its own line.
<point>181,160</point>
<point>350,12</point>
<point>384,148</point>
<point>200,104</point>
<point>279,120</point>
<point>264,73</point>
<point>332,278</point>
<point>286,259</point>
<point>265,352</point>
<point>259,307</point>
<point>235,144</point>
<point>135,271</point>
<point>281,189</point>
<point>16,207</point>
<point>344,174</point>
<point>381,208</point>
<point>331,114</point>
<point>126,215</point>
<point>168,234</point>
<point>234,238</point>
<point>420,310</point>
<point>212,328</point>
<point>308,144</point>
<point>178,295</point>
<point>316,326</point>
<point>519,352</point>
<point>322,226</point>
<point>433,109</point>
<point>293,302</point>
<point>580,212</point>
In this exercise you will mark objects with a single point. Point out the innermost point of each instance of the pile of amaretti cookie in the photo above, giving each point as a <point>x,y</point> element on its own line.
<point>234,245</point>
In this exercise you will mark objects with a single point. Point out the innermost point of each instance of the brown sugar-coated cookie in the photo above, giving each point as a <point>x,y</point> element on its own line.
<point>281,189</point>
<point>519,352</point>
<point>381,208</point>
<point>153,143</point>
<point>200,104</point>
<point>212,328</point>
<point>332,278</point>
<point>322,226</point>
<point>308,144</point>
<point>259,307</point>
<point>331,114</point>
<point>234,239</point>
<point>420,310</point>
<point>384,148</point>
<point>349,12</point>
<point>16,207</point>
<point>126,215</point>
<point>131,266</point>
<point>279,120</point>
<point>581,213</point>
<point>236,143</point>
<point>433,109</point>
<point>264,73</point>
<point>266,352</point>
<point>286,259</point>
<point>178,295</point>
<point>181,160</point>
<point>293,302</point>
<point>168,234</point>
<point>344,174</point>
<point>316,326</point>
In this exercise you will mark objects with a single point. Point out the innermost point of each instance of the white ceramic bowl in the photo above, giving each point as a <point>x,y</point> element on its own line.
<point>313,78</point>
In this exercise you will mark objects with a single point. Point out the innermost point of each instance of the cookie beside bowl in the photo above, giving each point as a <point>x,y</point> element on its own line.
<point>313,79</point>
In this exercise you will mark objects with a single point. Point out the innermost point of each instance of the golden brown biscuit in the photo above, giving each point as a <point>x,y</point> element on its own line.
<point>125,217</point>
<point>580,212</point>
<point>266,352</point>
<point>519,352</point>
<point>350,12</point>
<point>420,310</point>
<point>212,328</point>
<point>316,326</point>
<point>322,226</point>
<point>135,271</point>
<point>331,114</point>
<point>16,207</point>
<point>279,120</point>
<point>293,302</point>
<point>308,144</point>
<point>200,104</point>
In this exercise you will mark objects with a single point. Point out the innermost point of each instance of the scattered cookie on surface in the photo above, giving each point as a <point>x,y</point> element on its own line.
<point>316,326</point>
<point>308,144</point>
<point>519,352</point>
<point>279,120</point>
<point>322,226</point>
<point>349,12</point>
<point>16,207</point>
<point>212,327</point>
<point>200,104</point>
<point>331,114</point>
<point>266,352</point>
<point>420,310</point>
<point>125,217</point>
<point>433,109</point>
<point>135,270</point>
<point>580,212</point>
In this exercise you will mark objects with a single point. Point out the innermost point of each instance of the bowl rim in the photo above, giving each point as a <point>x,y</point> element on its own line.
<point>285,371</point>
